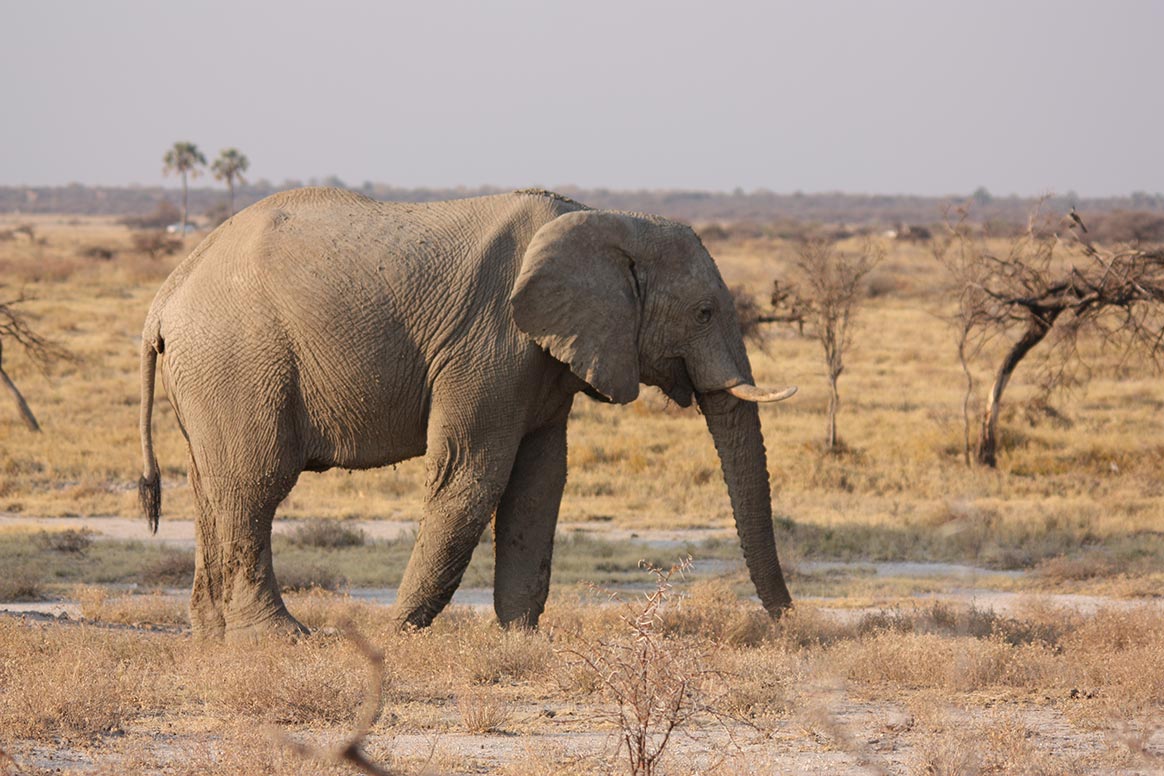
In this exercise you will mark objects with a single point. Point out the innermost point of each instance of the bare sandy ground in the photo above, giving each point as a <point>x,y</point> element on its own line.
<point>180,533</point>
<point>832,732</point>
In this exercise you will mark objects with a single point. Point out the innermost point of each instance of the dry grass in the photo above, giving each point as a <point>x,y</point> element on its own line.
<point>482,711</point>
<point>98,603</point>
<point>926,691</point>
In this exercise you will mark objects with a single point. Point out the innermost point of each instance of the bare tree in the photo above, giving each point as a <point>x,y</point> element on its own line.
<point>1046,283</point>
<point>14,327</point>
<point>828,298</point>
<point>967,276</point>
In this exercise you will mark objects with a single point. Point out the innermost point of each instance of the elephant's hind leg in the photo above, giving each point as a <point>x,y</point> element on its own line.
<point>206,616</point>
<point>235,592</point>
<point>524,528</point>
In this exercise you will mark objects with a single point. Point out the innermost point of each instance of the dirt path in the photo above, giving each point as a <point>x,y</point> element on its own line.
<point>180,533</point>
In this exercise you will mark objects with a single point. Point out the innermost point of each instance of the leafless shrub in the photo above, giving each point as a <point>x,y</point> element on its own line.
<point>658,684</point>
<point>327,533</point>
<point>156,243</point>
<point>784,306</point>
<point>21,584</point>
<point>749,314</point>
<point>310,577</point>
<point>70,540</point>
<point>787,306</point>
<point>97,252</point>
<point>172,568</point>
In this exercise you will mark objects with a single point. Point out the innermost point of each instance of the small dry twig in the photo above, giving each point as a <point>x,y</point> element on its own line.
<point>351,750</point>
<point>9,766</point>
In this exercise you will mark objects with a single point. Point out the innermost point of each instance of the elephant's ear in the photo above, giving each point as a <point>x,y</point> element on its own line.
<point>577,296</point>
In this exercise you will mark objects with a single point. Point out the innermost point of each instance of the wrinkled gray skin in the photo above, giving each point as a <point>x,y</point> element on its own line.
<point>320,329</point>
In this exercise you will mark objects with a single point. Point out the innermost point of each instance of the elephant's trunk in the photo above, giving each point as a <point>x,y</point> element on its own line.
<point>735,427</point>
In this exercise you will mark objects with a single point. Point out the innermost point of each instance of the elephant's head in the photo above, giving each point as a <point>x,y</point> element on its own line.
<point>623,299</point>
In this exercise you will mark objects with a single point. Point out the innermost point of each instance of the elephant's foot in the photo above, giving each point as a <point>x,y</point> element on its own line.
<point>413,614</point>
<point>278,625</point>
<point>527,620</point>
<point>207,627</point>
<point>410,619</point>
<point>206,618</point>
<point>519,606</point>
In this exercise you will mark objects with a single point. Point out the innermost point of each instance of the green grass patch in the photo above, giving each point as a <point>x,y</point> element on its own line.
<point>38,568</point>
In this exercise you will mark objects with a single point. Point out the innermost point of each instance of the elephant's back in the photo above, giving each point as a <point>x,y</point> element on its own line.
<point>320,259</point>
<point>346,310</point>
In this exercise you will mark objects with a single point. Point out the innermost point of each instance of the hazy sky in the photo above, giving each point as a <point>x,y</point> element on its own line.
<point>927,97</point>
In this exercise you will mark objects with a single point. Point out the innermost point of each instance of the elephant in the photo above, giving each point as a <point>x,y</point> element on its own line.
<point>319,328</point>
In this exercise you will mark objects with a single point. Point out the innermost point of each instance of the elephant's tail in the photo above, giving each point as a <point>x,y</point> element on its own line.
<point>149,487</point>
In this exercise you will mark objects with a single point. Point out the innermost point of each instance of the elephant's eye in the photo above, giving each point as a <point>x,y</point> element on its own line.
<point>703,313</point>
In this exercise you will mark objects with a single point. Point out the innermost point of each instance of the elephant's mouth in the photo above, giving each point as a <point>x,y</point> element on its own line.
<point>675,382</point>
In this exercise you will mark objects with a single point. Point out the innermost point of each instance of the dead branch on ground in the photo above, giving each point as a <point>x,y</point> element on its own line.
<point>351,750</point>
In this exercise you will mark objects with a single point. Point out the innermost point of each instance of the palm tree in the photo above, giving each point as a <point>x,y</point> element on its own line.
<point>184,158</point>
<point>229,167</point>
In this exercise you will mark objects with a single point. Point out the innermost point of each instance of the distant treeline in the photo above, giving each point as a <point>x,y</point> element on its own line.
<point>693,206</point>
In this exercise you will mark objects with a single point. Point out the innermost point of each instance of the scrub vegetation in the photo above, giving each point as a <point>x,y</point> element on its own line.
<point>875,670</point>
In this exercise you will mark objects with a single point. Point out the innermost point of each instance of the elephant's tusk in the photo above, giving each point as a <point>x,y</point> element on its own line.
<point>752,393</point>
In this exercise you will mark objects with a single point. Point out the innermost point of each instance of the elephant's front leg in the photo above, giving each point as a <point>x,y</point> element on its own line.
<point>524,529</point>
<point>468,463</point>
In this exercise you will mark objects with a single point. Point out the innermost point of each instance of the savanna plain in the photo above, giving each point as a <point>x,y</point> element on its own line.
<point>949,619</point>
